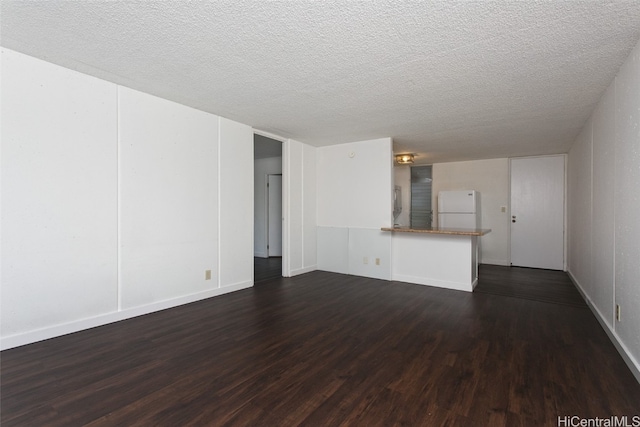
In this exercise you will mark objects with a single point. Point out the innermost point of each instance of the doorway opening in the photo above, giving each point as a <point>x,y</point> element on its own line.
<point>267,219</point>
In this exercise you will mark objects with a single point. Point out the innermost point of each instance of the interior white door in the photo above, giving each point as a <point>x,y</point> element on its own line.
<point>274,215</point>
<point>537,212</point>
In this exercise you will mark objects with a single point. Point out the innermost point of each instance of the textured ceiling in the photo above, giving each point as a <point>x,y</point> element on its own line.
<point>448,80</point>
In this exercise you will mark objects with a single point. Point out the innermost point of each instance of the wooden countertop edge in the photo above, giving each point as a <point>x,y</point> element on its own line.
<point>450,231</point>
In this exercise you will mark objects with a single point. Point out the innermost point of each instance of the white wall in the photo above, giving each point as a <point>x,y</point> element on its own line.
<point>355,184</point>
<point>402,178</point>
<point>627,203</point>
<point>491,179</point>
<point>333,249</point>
<point>114,202</point>
<point>603,226</point>
<point>579,215</point>
<point>59,195</point>
<point>235,198</point>
<point>168,199</point>
<point>263,167</point>
<point>596,265</point>
<point>299,199</point>
<point>355,191</point>
<point>309,210</point>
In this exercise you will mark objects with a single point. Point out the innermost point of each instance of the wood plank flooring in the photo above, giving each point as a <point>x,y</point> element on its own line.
<point>267,268</point>
<point>538,285</point>
<point>325,349</point>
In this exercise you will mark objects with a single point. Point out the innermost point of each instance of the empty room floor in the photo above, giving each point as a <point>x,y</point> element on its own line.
<point>325,349</point>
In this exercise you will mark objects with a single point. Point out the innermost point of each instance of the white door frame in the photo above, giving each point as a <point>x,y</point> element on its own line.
<point>286,221</point>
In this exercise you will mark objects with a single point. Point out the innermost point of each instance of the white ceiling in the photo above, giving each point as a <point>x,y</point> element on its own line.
<point>448,80</point>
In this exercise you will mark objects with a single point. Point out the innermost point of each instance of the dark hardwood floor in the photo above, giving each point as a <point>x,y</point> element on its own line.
<point>538,285</point>
<point>325,349</point>
<point>266,268</point>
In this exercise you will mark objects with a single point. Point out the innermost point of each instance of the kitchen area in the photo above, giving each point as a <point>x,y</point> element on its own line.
<point>445,255</point>
<point>355,201</point>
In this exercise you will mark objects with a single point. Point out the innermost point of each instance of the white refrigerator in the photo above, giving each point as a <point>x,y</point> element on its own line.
<point>458,209</point>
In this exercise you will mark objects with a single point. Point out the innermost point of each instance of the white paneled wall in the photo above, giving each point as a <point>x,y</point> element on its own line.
<point>299,195</point>
<point>627,203</point>
<point>355,199</point>
<point>293,188</point>
<point>579,208</point>
<point>59,195</point>
<point>604,231</point>
<point>309,243</point>
<point>597,262</point>
<point>333,249</point>
<point>168,199</point>
<point>114,202</point>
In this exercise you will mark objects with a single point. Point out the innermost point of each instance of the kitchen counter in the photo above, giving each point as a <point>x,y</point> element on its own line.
<point>442,257</point>
<point>453,231</point>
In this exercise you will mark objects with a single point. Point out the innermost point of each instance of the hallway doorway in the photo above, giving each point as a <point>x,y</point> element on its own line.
<point>267,220</point>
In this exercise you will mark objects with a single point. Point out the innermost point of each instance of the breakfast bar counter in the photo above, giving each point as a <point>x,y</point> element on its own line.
<point>451,231</point>
<point>442,257</point>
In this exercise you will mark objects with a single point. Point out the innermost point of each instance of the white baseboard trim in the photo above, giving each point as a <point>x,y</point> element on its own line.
<point>631,362</point>
<point>456,286</point>
<point>333,270</point>
<point>260,254</point>
<point>103,319</point>
<point>495,262</point>
<point>302,270</point>
<point>237,286</point>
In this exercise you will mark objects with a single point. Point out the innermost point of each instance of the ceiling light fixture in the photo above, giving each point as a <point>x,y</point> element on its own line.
<point>404,159</point>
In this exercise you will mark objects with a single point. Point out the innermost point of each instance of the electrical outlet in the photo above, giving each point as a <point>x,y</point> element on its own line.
<point>207,275</point>
<point>503,209</point>
<point>377,261</point>
<point>365,260</point>
<point>618,312</point>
